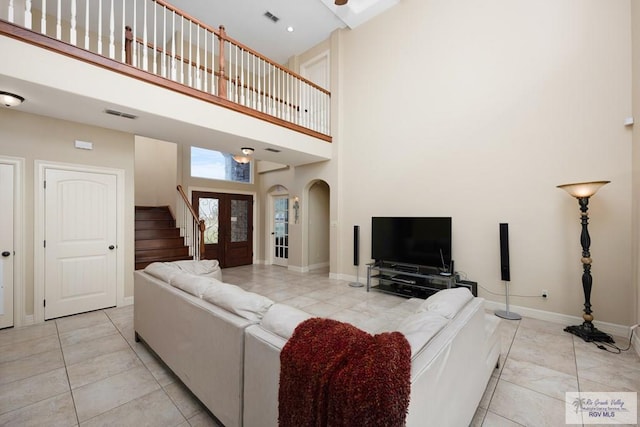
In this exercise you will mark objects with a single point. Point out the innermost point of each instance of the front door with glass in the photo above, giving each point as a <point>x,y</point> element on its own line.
<point>228,218</point>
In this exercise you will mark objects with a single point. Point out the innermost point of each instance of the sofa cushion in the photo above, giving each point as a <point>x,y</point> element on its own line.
<point>205,267</point>
<point>161,270</point>
<point>420,327</point>
<point>282,319</point>
<point>447,302</point>
<point>195,285</point>
<point>232,298</point>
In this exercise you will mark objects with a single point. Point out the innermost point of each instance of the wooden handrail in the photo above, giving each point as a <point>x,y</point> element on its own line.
<point>220,75</point>
<point>196,218</point>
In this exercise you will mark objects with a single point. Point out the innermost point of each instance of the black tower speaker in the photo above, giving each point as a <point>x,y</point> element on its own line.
<point>356,245</point>
<point>505,272</point>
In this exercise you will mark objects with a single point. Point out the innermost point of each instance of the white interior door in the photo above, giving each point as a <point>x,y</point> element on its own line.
<point>7,198</point>
<point>281,230</point>
<point>80,242</point>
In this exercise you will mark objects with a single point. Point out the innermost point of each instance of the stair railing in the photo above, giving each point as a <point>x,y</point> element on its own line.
<point>160,39</point>
<point>191,226</point>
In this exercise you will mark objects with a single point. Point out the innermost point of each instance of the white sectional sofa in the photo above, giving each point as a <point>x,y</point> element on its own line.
<point>227,350</point>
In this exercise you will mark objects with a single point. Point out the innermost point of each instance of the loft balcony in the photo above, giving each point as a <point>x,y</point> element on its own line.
<point>160,73</point>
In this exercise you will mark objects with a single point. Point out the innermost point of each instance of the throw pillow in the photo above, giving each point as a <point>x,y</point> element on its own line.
<point>232,298</point>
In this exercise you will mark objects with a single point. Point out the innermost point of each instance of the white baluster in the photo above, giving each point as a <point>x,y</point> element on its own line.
<point>145,56</point>
<point>99,27</point>
<point>72,30</point>
<point>112,35</point>
<point>123,53</point>
<point>59,22</point>
<point>134,43</point>
<point>182,49</point>
<point>173,48</point>
<point>27,15</point>
<point>242,89</point>
<point>198,77</point>
<point>237,94</point>
<point>86,25</point>
<point>163,65</point>
<point>204,65</point>
<point>155,33</point>
<point>190,63</point>
<point>11,12</point>
<point>43,19</point>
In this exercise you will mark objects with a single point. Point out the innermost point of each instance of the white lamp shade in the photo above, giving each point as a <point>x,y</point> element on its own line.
<point>581,190</point>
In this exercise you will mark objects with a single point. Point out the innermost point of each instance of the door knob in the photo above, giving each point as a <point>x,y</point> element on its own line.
<point>6,253</point>
<point>111,247</point>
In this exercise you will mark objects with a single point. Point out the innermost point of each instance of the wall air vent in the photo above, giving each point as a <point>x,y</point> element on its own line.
<point>121,114</point>
<point>273,150</point>
<point>271,16</point>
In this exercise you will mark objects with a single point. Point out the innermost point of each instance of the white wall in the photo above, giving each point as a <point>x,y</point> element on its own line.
<point>477,111</point>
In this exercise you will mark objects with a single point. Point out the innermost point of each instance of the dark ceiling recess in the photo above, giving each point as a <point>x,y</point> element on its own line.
<point>273,150</point>
<point>271,16</point>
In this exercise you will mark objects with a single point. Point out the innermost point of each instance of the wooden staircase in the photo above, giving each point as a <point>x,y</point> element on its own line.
<point>157,237</point>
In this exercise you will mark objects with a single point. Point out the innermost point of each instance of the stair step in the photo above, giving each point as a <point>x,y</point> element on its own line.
<point>161,212</point>
<point>160,233</point>
<point>155,254</point>
<point>142,264</point>
<point>163,243</point>
<point>145,224</point>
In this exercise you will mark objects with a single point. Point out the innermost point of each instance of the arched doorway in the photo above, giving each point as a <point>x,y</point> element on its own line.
<point>318,225</point>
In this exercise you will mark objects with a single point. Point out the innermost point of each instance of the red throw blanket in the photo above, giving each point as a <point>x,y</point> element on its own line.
<point>334,374</point>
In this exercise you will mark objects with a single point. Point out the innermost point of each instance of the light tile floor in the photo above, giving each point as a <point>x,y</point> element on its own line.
<point>87,369</point>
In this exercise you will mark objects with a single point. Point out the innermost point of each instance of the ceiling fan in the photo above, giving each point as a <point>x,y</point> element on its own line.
<point>340,2</point>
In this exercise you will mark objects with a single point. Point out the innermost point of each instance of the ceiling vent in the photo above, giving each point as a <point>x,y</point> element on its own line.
<point>271,16</point>
<point>121,114</point>
<point>273,150</point>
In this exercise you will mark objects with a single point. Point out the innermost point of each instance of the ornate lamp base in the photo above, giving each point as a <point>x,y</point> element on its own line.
<point>589,333</point>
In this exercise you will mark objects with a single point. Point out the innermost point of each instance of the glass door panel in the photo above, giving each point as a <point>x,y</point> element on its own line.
<point>281,230</point>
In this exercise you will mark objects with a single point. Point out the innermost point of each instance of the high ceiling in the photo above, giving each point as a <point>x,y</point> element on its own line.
<point>312,21</point>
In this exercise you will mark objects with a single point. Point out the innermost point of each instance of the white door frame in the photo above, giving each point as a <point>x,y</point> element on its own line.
<point>39,229</point>
<point>19,312</point>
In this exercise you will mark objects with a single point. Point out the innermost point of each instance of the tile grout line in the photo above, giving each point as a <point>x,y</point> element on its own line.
<point>145,366</point>
<point>506,356</point>
<point>66,371</point>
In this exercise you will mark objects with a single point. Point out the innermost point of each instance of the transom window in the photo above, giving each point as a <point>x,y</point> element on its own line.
<point>213,164</point>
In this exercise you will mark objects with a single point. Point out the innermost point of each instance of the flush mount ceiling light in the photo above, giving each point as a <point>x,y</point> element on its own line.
<point>10,100</point>
<point>246,155</point>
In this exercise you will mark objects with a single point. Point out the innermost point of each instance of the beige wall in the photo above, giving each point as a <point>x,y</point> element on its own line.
<point>477,111</point>
<point>635,25</point>
<point>319,204</point>
<point>34,138</point>
<point>156,174</point>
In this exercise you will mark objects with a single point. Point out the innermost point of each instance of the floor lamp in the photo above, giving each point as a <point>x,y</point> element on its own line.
<point>583,191</point>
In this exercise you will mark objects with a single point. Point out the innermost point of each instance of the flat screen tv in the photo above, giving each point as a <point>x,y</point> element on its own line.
<point>412,240</point>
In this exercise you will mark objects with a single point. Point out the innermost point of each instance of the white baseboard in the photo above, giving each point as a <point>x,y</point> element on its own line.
<point>318,266</point>
<point>297,269</point>
<point>562,319</point>
<point>127,301</point>
<point>28,319</point>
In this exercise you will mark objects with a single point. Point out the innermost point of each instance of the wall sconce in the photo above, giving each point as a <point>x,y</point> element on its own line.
<point>296,209</point>
<point>583,191</point>
<point>10,100</point>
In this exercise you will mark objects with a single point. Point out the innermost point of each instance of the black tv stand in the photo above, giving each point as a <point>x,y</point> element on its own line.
<point>408,280</point>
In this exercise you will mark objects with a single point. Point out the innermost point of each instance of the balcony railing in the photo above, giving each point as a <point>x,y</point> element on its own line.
<point>159,39</point>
